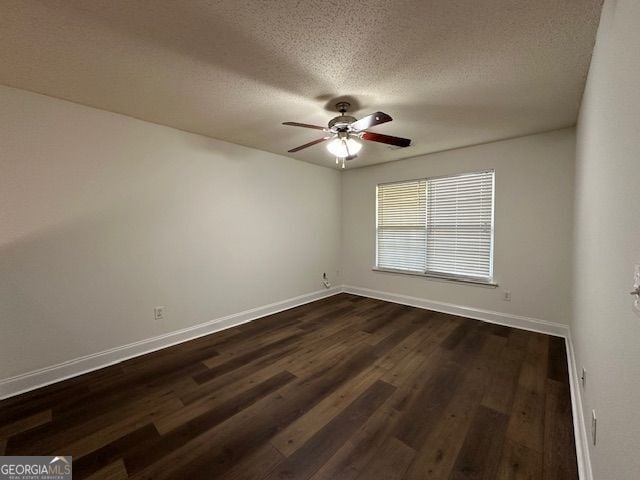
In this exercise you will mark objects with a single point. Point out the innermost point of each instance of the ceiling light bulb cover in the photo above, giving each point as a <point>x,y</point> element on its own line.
<point>344,147</point>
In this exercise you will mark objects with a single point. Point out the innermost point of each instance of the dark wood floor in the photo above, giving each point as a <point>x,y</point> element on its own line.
<point>343,388</point>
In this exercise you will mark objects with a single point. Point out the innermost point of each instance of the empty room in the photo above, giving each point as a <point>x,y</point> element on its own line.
<point>368,240</point>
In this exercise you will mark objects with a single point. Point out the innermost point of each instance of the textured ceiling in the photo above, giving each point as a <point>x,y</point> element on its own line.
<point>451,72</point>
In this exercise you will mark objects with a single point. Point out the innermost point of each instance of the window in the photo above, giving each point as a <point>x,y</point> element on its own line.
<point>437,226</point>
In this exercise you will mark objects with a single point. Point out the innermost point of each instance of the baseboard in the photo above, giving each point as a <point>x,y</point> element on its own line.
<point>516,321</point>
<point>10,387</point>
<point>579,425</point>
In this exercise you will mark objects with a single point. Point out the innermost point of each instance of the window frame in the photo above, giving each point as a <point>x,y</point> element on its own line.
<point>480,281</point>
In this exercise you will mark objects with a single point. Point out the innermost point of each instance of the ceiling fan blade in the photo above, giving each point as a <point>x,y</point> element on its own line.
<point>310,144</point>
<point>371,121</point>
<point>306,125</point>
<point>388,139</point>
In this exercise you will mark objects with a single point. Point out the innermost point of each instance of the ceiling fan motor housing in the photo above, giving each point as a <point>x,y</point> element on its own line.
<point>341,122</point>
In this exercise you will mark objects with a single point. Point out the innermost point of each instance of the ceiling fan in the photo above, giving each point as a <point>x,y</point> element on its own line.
<point>344,131</point>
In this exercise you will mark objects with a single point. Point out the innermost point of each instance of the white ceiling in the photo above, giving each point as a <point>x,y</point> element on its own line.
<point>451,72</point>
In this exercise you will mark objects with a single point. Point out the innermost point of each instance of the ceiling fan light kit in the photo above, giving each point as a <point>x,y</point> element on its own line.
<point>344,146</point>
<point>344,131</point>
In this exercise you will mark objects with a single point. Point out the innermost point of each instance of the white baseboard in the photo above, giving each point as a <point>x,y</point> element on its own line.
<point>516,321</point>
<point>579,425</point>
<point>10,387</point>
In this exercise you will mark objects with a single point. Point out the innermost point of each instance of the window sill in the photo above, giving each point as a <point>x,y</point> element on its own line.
<point>444,278</point>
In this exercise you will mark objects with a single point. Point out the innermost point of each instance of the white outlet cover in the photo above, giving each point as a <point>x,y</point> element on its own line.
<point>636,283</point>
<point>158,313</point>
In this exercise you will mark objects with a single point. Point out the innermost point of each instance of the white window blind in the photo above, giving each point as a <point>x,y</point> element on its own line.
<point>439,226</point>
<point>402,227</point>
<point>460,225</point>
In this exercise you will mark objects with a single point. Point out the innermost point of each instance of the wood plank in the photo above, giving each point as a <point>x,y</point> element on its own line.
<point>520,463</point>
<point>248,347</point>
<point>526,423</point>
<point>117,430</point>
<point>480,454</point>
<point>422,339</point>
<point>30,403</point>
<point>230,400</point>
<point>441,447</point>
<point>559,462</point>
<point>412,376</point>
<point>263,367</point>
<point>557,360</point>
<point>254,466</point>
<point>390,461</point>
<point>427,406</point>
<point>353,457</point>
<point>218,449</point>
<point>300,431</point>
<point>113,471</point>
<point>241,360</point>
<point>94,432</point>
<point>26,423</point>
<point>189,430</point>
<point>130,393</point>
<point>332,348</point>
<point>306,460</point>
<point>504,380</point>
<point>297,359</point>
<point>113,452</point>
<point>406,370</point>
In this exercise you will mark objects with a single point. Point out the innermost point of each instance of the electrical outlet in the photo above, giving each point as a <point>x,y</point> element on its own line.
<point>636,287</point>
<point>583,377</point>
<point>594,421</point>
<point>158,313</point>
<point>506,295</point>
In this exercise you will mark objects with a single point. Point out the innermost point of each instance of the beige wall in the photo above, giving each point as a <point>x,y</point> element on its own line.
<point>606,334</point>
<point>533,224</point>
<point>103,217</point>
